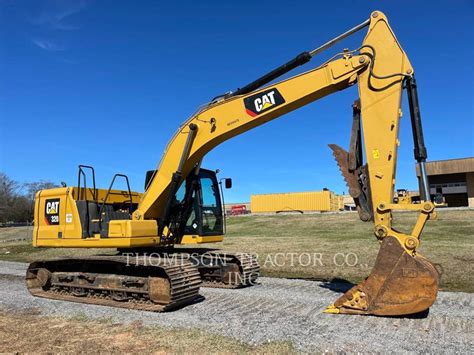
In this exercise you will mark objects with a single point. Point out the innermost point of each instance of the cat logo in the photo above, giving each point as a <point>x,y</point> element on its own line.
<point>51,211</point>
<point>52,207</point>
<point>263,101</point>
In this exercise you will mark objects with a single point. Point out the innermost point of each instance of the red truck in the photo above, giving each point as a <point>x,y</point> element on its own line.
<point>236,210</point>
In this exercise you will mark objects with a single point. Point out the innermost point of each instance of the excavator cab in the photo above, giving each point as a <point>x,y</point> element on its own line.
<point>198,204</point>
<point>196,207</point>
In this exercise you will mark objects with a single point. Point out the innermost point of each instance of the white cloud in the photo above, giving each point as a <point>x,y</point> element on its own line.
<point>48,45</point>
<point>54,12</point>
<point>50,16</point>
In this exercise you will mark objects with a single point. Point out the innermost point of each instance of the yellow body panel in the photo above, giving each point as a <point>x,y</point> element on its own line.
<point>197,239</point>
<point>132,229</point>
<point>67,227</point>
<point>97,242</point>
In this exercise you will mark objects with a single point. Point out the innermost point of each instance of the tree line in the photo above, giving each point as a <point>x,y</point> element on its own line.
<point>17,200</point>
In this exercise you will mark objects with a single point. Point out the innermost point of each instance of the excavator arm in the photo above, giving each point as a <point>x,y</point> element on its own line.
<point>402,281</point>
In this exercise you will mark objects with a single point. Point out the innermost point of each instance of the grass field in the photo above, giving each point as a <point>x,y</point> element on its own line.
<point>315,246</point>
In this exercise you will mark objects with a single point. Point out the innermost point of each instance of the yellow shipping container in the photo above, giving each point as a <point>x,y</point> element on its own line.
<point>295,201</point>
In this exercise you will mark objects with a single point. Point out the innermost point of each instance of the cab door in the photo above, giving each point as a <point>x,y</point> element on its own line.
<point>210,205</point>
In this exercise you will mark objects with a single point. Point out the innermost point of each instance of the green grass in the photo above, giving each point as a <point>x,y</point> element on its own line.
<point>447,241</point>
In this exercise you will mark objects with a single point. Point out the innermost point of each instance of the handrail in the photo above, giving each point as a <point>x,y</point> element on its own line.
<point>108,193</point>
<point>81,172</point>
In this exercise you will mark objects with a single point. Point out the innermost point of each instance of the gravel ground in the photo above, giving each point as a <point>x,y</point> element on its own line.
<point>279,309</point>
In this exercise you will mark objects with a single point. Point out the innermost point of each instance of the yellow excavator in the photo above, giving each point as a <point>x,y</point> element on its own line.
<point>402,196</point>
<point>182,202</point>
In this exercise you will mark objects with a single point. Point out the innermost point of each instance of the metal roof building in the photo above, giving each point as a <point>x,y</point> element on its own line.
<point>453,178</point>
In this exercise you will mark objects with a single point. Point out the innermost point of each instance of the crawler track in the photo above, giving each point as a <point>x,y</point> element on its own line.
<point>218,268</point>
<point>150,284</point>
<point>245,273</point>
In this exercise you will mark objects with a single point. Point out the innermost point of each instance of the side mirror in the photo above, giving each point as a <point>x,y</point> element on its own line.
<point>228,183</point>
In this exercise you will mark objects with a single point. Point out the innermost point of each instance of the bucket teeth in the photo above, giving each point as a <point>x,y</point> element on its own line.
<point>332,309</point>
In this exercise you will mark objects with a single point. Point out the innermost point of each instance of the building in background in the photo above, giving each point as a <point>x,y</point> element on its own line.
<point>313,201</point>
<point>348,203</point>
<point>453,179</point>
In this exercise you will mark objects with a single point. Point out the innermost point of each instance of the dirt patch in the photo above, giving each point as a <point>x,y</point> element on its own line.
<point>28,332</point>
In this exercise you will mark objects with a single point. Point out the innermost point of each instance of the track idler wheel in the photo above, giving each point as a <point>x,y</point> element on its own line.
<point>43,277</point>
<point>160,290</point>
<point>399,284</point>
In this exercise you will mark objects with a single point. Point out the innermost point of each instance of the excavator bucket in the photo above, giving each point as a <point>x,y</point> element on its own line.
<point>399,284</point>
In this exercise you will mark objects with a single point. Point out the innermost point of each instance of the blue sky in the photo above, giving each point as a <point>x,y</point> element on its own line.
<point>107,83</point>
